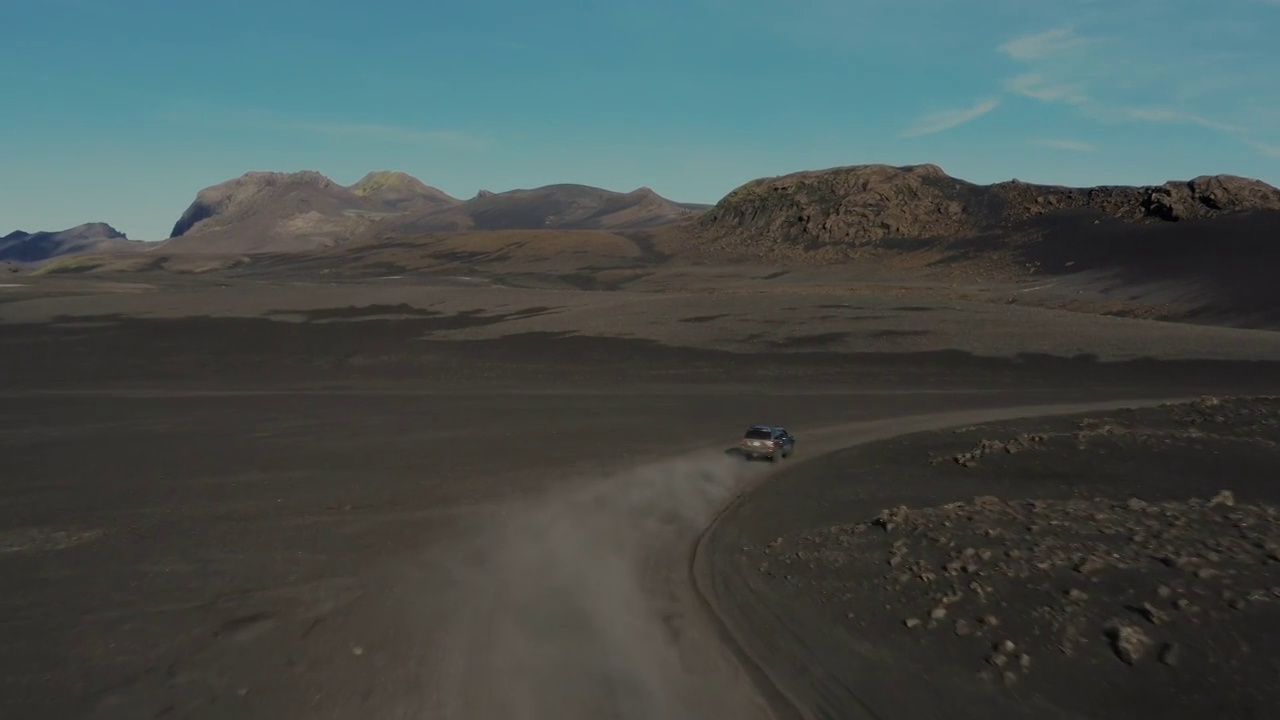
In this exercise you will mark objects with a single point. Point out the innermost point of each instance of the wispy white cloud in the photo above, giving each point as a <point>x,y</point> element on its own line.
<point>1209,89</point>
<point>947,119</point>
<point>1272,151</point>
<point>1065,144</point>
<point>1178,117</point>
<point>1240,133</point>
<point>1038,87</point>
<point>1043,44</point>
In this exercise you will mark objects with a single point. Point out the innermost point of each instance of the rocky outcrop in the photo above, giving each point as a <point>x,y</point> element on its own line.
<point>1209,196</point>
<point>863,205</point>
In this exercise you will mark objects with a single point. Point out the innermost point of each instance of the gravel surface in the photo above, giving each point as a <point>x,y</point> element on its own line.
<point>1137,554</point>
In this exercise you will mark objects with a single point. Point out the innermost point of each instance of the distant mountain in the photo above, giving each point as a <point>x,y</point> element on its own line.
<point>564,206</point>
<point>275,211</point>
<point>91,237</point>
<point>297,212</point>
<point>842,209</point>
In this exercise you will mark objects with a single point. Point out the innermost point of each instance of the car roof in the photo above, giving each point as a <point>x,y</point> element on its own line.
<point>766,427</point>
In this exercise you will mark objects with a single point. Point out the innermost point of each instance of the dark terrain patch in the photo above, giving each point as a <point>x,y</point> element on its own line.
<point>889,332</point>
<point>810,341</point>
<point>354,312</point>
<point>262,352</point>
<point>462,319</point>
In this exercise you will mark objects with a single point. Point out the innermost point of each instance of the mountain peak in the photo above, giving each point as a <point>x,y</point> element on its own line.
<point>251,189</point>
<point>95,229</point>
<point>400,191</point>
<point>378,180</point>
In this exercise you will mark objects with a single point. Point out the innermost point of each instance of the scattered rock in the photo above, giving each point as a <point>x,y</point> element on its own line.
<point>892,519</point>
<point>1089,565</point>
<point>962,628</point>
<point>1224,497</point>
<point>938,613</point>
<point>912,623</point>
<point>1273,552</point>
<point>1129,642</point>
<point>1170,654</point>
<point>1150,613</point>
<point>1076,595</point>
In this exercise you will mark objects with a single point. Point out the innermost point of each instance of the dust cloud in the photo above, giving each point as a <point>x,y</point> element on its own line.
<point>579,605</point>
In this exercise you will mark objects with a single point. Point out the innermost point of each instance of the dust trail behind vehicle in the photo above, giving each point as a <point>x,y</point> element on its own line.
<point>580,606</point>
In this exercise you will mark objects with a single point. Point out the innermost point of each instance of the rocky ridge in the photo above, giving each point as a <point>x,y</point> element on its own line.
<point>862,206</point>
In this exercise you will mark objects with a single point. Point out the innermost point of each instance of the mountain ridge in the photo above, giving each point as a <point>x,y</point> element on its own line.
<point>829,213</point>
<point>262,211</point>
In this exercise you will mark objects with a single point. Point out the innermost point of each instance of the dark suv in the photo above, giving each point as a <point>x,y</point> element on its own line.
<point>769,441</point>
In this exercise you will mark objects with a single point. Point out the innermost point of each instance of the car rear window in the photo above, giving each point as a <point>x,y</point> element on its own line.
<point>758,435</point>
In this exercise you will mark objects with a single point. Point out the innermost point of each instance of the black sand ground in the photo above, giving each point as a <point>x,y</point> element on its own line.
<point>1111,565</point>
<point>251,517</point>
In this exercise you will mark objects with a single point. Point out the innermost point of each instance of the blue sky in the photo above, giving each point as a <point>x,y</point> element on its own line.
<point>121,110</point>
